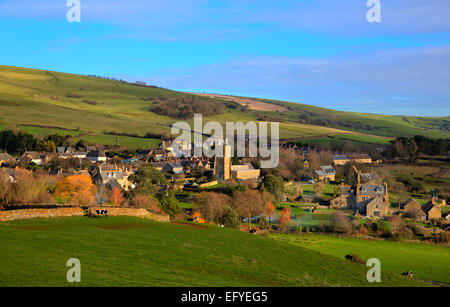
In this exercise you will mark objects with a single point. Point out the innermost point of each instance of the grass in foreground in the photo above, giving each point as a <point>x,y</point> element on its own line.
<point>137,252</point>
<point>430,262</point>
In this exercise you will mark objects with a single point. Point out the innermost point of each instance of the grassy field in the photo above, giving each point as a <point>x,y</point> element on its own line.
<point>138,252</point>
<point>42,98</point>
<point>429,262</point>
<point>127,141</point>
<point>370,139</point>
<point>328,190</point>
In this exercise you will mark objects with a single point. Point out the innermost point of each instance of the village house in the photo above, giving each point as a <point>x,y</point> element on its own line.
<point>346,197</point>
<point>175,168</point>
<point>446,216</point>
<point>158,154</point>
<point>7,159</point>
<point>158,165</point>
<point>339,159</point>
<point>112,176</point>
<point>96,156</point>
<point>432,210</point>
<point>33,157</point>
<point>80,155</point>
<point>325,173</point>
<point>64,150</point>
<point>358,158</point>
<point>413,209</point>
<point>368,198</point>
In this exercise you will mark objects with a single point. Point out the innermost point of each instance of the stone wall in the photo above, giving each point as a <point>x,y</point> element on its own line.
<point>130,212</point>
<point>12,215</point>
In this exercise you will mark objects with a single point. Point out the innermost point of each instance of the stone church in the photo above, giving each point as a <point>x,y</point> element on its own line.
<point>224,170</point>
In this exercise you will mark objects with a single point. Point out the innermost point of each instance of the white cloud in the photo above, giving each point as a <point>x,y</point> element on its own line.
<point>391,79</point>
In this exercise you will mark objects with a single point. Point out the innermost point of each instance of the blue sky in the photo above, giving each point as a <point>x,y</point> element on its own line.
<point>320,52</point>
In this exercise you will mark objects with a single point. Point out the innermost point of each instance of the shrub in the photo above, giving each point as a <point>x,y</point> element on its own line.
<point>145,202</point>
<point>169,204</point>
<point>230,219</point>
<point>340,223</point>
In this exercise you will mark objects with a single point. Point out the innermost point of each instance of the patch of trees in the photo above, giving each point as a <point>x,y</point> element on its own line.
<point>28,188</point>
<point>17,142</point>
<point>320,119</point>
<point>186,106</point>
<point>409,149</point>
<point>229,210</point>
<point>147,179</point>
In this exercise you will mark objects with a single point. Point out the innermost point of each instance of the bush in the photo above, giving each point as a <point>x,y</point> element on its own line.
<point>230,219</point>
<point>170,205</point>
<point>340,223</point>
<point>145,202</point>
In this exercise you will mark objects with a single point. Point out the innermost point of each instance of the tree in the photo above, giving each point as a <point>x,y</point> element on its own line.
<point>318,189</point>
<point>274,185</point>
<point>82,144</point>
<point>270,208</point>
<point>77,189</point>
<point>230,218</point>
<point>314,160</point>
<point>5,187</point>
<point>169,204</point>
<point>340,223</point>
<point>117,197</point>
<point>248,204</point>
<point>283,218</point>
<point>212,205</point>
<point>146,179</point>
<point>49,146</point>
<point>33,188</point>
<point>145,202</point>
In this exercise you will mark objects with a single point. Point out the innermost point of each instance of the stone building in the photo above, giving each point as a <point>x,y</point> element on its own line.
<point>412,209</point>
<point>325,173</point>
<point>224,170</point>
<point>365,197</point>
<point>432,210</point>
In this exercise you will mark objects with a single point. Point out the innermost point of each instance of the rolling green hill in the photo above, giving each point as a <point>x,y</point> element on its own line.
<point>94,108</point>
<point>138,252</point>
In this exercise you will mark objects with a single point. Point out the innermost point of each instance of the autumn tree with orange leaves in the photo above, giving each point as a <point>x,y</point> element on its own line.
<point>77,189</point>
<point>270,208</point>
<point>116,197</point>
<point>283,218</point>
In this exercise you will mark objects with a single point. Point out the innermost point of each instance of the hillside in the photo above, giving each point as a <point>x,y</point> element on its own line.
<point>138,252</point>
<point>98,109</point>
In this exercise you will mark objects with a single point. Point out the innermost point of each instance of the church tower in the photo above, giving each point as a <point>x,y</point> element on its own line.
<point>222,166</point>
